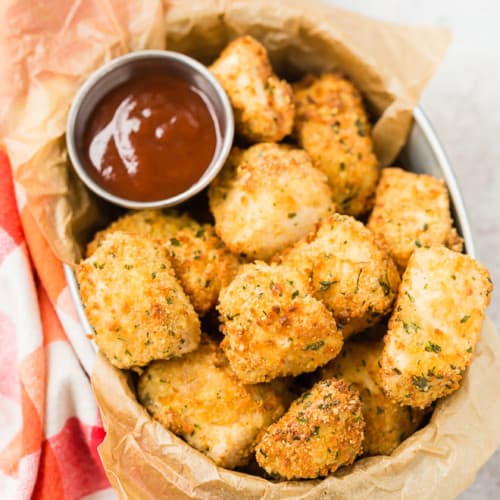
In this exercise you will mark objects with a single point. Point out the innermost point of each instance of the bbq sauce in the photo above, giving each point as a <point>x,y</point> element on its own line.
<point>150,138</point>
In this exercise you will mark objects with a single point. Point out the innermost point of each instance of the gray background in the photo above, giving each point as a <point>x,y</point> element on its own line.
<point>462,102</point>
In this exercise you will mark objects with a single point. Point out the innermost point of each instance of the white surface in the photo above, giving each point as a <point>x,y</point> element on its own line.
<point>462,102</point>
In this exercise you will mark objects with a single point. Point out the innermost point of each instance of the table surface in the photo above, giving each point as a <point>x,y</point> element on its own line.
<point>461,102</point>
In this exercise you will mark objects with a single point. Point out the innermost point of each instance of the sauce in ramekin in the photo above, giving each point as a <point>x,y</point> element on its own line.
<point>150,138</point>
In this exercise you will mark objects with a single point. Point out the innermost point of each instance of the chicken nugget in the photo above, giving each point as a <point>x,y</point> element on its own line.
<point>435,325</point>
<point>155,223</point>
<point>262,103</point>
<point>203,264</point>
<point>200,259</point>
<point>272,327</point>
<point>332,126</point>
<point>387,423</point>
<point>348,271</point>
<point>322,431</point>
<point>412,211</point>
<point>135,304</point>
<point>199,398</point>
<point>268,200</point>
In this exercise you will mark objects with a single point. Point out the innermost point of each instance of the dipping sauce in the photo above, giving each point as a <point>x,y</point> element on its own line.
<point>150,138</point>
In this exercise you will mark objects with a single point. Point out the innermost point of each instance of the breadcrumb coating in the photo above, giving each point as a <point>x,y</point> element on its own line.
<point>203,264</point>
<point>348,270</point>
<point>134,302</point>
<point>272,326</point>
<point>267,198</point>
<point>412,211</point>
<point>262,103</point>
<point>154,223</point>
<point>435,325</point>
<point>201,261</point>
<point>199,398</point>
<point>322,431</point>
<point>387,423</point>
<point>331,124</point>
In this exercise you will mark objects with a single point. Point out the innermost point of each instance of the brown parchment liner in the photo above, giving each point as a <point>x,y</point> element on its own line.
<point>47,49</point>
<point>145,461</point>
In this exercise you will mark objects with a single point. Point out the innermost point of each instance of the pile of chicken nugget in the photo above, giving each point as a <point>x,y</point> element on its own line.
<point>382,315</point>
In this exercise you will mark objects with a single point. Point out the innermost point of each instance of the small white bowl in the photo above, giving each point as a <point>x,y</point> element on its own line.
<point>122,69</point>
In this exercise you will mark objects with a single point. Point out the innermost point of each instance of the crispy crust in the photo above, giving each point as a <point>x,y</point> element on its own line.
<point>412,211</point>
<point>331,124</point>
<point>322,431</point>
<point>199,398</point>
<point>262,103</point>
<point>134,302</point>
<point>154,223</point>
<point>200,259</point>
<point>272,326</point>
<point>387,423</point>
<point>435,325</point>
<point>267,198</point>
<point>348,270</point>
<point>203,264</point>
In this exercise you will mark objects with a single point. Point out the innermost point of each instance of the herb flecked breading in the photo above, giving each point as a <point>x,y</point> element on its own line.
<point>322,431</point>
<point>201,261</point>
<point>331,124</point>
<point>412,211</point>
<point>262,103</point>
<point>347,270</point>
<point>266,198</point>
<point>134,302</point>
<point>199,398</point>
<point>435,325</point>
<point>272,326</point>
<point>387,422</point>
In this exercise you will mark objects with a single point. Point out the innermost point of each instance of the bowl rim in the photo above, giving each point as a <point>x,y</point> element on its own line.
<point>214,167</point>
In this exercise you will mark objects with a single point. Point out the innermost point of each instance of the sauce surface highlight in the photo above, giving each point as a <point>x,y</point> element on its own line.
<point>150,138</point>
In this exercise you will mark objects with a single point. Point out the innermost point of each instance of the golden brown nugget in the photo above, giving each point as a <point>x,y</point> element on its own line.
<point>272,327</point>
<point>322,431</point>
<point>203,264</point>
<point>332,126</point>
<point>200,259</point>
<point>348,271</point>
<point>387,423</point>
<point>267,198</point>
<point>412,211</point>
<point>262,103</point>
<point>435,325</point>
<point>155,223</point>
<point>199,398</point>
<point>135,304</point>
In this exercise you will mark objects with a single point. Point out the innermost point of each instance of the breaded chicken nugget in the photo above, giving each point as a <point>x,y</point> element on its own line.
<point>271,198</point>
<point>412,211</point>
<point>348,271</point>
<point>200,259</point>
<point>332,126</point>
<point>199,398</point>
<point>272,327</point>
<point>262,103</point>
<point>387,423</point>
<point>134,302</point>
<point>154,223</point>
<point>435,325</point>
<point>203,264</point>
<point>321,431</point>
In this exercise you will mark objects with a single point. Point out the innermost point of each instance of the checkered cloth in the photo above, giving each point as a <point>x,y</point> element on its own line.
<point>49,421</point>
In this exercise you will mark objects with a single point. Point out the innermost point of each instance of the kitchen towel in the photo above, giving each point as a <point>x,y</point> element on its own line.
<point>49,422</point>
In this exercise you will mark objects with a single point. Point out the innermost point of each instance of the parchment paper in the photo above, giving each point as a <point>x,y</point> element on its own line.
<point>143,460</point>
<point>48,48</point>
